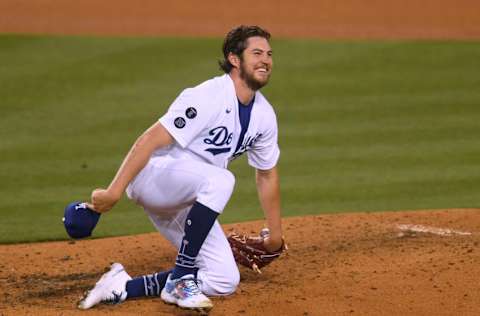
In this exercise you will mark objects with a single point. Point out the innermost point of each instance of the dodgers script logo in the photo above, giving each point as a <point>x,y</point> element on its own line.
<point>246,145</point>
<point>219,136</point>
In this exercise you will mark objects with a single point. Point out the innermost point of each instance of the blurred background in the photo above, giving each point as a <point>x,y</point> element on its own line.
<point>377,102</point>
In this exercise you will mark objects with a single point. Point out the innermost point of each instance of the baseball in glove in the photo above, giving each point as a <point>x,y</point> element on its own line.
<point>250,251</point>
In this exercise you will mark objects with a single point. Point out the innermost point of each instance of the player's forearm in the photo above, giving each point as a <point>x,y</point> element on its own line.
<point>135,160</point>
<point>138,156</point>
<point>269,195</point>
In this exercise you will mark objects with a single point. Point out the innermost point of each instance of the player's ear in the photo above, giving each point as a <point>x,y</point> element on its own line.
<point>234,60</point>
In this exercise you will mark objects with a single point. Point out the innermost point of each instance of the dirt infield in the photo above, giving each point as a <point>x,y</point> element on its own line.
<point>397,263</point>
<point>354,264</point>
<point>439,19</point>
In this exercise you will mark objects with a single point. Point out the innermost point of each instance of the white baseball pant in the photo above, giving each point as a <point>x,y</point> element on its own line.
<point>166,189</point>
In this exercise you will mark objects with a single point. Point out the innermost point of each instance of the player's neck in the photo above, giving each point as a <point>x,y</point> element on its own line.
<point>244,93</point>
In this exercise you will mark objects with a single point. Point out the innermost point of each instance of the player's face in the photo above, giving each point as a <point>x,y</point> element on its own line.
<point>256,63</point>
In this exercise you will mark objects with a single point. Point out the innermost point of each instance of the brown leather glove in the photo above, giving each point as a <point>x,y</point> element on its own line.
<point>250,251</point>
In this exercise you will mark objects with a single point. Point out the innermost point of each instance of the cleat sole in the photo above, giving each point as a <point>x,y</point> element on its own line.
<point>200,310</point>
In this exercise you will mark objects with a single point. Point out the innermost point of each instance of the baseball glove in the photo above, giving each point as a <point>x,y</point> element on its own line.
<point>250,252</point>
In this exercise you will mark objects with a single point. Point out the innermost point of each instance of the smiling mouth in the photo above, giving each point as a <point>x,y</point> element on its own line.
<point>263,70</point>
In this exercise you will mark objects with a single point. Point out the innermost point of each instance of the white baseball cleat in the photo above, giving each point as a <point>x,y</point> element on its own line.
<point>111,288</point>
<point>185,293</point>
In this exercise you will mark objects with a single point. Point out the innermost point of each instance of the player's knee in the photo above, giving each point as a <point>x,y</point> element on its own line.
<point>234,280</point>
<point>230,181</point>
<point>223,182</point>
<point>219,285</point>
<point>217,189</point>
<point>230,286</point>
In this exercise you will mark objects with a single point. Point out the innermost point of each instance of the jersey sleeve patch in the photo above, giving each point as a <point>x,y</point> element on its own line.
<point>187,117</point>
<point>191,113</point>
<point>179,122</point>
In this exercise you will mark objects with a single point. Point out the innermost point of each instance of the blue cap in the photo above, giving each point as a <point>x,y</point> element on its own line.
<point>79,220</point>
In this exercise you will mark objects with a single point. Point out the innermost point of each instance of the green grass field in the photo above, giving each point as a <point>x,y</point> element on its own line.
<point>364,126</point>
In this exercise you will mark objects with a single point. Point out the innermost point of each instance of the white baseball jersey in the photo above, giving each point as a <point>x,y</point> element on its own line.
<point>206,125</point>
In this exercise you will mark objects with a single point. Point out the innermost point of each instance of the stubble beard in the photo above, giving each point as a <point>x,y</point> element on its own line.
<point>250,80</point>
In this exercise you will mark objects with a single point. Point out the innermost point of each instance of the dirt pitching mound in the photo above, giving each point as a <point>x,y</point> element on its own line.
<point>397,263</point>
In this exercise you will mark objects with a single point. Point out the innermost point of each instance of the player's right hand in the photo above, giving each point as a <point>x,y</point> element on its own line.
<point>102,200</point>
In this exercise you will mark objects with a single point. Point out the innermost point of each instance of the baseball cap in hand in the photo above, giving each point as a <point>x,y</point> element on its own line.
<point>79,220</point>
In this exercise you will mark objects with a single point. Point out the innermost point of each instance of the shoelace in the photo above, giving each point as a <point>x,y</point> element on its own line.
<point>114,298</point>
<point>190,286</point>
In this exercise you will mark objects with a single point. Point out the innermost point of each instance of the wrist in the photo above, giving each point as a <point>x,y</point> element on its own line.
<point>115,194</point>
<point>273,245</point>
<point>275,236</point>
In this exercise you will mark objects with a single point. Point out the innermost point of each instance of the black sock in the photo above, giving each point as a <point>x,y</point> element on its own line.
<point>198,224</point>
<point>147,285</point>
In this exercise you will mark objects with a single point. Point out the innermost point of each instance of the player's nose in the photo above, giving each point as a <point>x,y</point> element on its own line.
<point>267,60</point>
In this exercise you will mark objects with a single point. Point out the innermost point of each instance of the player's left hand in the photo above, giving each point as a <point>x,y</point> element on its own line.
<point>271,244</point>
<point>102,200</point>
<point>251,251</point>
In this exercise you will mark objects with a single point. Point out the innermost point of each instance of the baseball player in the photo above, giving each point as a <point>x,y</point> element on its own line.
<point>177,171</point>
